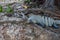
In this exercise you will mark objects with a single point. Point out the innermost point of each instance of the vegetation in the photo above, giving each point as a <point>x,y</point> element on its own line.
<point>9,9</point>
<point>1,9</point>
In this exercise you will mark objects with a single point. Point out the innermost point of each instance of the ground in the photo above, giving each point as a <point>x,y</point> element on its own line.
<point>24,31</point>
<point>13,28</point>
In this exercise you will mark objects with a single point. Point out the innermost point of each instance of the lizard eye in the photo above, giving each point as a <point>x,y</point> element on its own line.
<point>29,21</point>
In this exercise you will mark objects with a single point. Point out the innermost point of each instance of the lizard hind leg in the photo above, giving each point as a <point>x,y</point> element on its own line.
<point>55,26</point>
<point>42,25</point>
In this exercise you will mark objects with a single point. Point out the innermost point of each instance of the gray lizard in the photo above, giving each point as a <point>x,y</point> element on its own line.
<point>43,21</point>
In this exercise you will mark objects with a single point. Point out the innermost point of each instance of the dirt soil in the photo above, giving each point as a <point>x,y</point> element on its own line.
<point>24,31</point>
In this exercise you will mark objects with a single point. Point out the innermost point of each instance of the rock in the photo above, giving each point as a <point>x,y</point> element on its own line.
<point>15,19</point>
<point>1,14</point>
<point>1,37</point>
<point>10,19</point>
